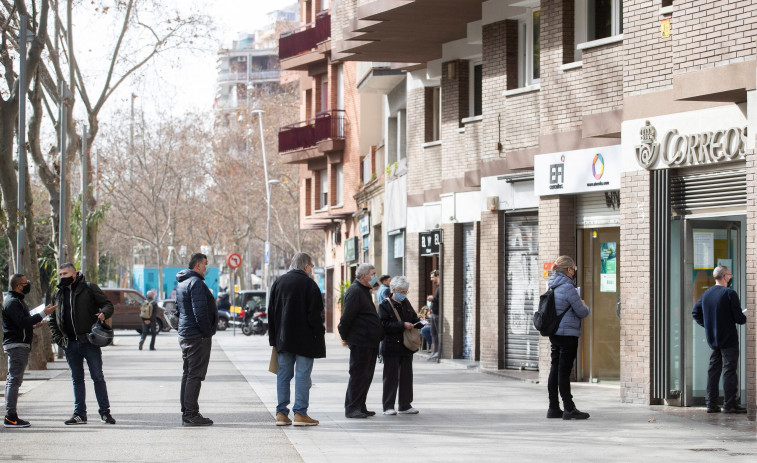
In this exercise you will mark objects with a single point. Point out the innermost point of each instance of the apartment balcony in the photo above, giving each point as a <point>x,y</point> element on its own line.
<point>307,44</point>
<point>305,140</point>
<point>271,75</point>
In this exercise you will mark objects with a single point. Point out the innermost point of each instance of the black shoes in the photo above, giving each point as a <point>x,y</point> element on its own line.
<point>15,422</point>
<point>356,415</point>
<point>197,420</point>
<point>713,409</point>
<point>76,419</point>
<point>369,413</point>
<point>107,418</point>
<point>735,409</point>
<point>574,414</point>
<point>554,413</point>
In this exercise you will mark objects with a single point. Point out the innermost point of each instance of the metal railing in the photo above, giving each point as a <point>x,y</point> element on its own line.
<point>305,38</point>
<point>251,77</point>
<point>305,134</point>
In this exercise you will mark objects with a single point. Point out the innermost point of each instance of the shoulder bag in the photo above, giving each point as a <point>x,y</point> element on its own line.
<point>410,338</point>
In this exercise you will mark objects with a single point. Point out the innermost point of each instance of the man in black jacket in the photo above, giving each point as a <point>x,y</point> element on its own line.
<point>296,330</point>
<point>198,319</point>
<point>17,343</point>
<point>81,305</point>
<point>361,329</point>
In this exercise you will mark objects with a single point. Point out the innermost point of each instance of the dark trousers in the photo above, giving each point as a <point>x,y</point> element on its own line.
<point>76,353</point>
<point>18,359</point>
<point>398,371</point>
<point>564,349</point>
<point>150,329</point>
<point>434,331</point>
<point>723,361</point>
<point>196,355</point>
<point>362,366</point>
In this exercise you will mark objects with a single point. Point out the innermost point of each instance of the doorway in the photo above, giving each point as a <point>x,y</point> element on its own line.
<point>697,247</point>
<point>599,283</point>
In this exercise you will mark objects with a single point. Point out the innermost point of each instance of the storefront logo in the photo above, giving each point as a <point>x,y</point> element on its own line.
<point>598,166</point>
<point>557,175</point>
<point>688,150</point>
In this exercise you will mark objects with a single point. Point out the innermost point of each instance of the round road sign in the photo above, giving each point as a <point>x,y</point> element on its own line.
<point>234,260</point>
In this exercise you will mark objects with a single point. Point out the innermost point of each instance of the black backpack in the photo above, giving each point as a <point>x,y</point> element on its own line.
<point>546,320</point>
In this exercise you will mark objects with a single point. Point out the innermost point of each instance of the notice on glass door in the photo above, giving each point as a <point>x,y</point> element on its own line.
<point>704,250</point>
<point>608,268</point>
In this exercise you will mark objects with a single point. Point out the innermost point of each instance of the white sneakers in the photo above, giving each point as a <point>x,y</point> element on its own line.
<point>409,411</point>
<point>391,411</point>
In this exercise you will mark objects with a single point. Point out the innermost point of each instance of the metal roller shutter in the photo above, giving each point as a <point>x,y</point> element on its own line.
<point>593,211</point>
<point>469,265</point>
<point>522,291</point>
<point>704,191</point>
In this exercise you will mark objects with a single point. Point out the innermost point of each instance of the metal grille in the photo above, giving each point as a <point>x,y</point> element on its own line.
<point>521,291</point>
<point>660,284</point>
<point>691,192</point>
<point>469,266</point>
<point>593,211</point>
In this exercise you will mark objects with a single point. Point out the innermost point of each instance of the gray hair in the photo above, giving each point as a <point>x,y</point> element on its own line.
<point>151,293</point>
<point>400,283</point>
<point>720,272</point>
<point>67,265</point>
<point>363,270</point>
<point>300,261</point>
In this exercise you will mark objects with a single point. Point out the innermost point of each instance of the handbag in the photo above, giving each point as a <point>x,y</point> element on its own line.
<point>410,338</point>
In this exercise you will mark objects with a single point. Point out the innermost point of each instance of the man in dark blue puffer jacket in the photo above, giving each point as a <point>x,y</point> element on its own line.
<point>198,318</point>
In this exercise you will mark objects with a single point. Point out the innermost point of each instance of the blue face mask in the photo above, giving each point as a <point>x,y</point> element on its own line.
<point>399,297</point>
<point>373,281</point>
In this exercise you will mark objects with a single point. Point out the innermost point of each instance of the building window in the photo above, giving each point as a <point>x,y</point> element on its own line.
<point>396,137</point>
<point>324,192</point>
<point>339,185</point>
<point>529,48</point>
<point>597,19</point>
<point>308,196</point>
<point>433,113</point>
<point>476,89</point>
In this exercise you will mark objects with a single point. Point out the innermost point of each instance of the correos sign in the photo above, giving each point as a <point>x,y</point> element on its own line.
<point>579,171</point>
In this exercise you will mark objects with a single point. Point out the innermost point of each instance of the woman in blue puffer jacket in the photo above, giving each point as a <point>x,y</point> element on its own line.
<point>565,340</point>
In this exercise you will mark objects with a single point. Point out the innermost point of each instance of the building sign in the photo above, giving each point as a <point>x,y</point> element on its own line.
<point>580,171</point>
<point>430,242</point>
<point>350,245</point>
<point>365,224</point>
<point>608,267</point>
<point>681,150</point>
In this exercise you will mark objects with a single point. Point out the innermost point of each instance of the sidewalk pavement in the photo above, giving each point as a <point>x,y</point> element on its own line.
<point>464,416</point>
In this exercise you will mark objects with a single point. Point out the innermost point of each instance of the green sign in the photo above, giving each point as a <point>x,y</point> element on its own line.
<point>608,271</point>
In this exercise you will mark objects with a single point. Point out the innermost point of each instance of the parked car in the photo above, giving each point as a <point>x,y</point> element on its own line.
<point>247,300</point>
<point>224,315</point>
<point>126,303</point>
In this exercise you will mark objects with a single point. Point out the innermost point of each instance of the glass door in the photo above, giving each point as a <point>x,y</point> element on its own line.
<point>707,244</point>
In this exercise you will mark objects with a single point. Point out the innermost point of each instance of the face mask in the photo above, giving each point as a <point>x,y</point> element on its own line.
<point>66,281</point>
<point>373,281</point>
<point>399,297</point>
<point>27,288</point>
<point>575,277</point>
<point>730,282</point>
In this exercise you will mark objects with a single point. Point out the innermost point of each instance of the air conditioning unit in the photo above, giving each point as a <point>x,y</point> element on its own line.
<point>492,203</point>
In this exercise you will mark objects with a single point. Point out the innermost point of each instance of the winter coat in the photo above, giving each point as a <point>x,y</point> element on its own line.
<point>18,324</point>
<point>86,300</point>
<point>296,316</point>
<point>718,311</point>
<point>394,343</point>
<point>198,314</point>
<point>360,324</point>
<point>567,298</point>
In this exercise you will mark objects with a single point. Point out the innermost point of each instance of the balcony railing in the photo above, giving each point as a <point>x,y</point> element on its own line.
<point>306,134</point>
<point>305,38</point>
<point>244,77</point>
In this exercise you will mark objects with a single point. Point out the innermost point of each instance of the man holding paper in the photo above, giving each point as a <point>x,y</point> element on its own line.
<point>296,331</point>
<point>18,324</point>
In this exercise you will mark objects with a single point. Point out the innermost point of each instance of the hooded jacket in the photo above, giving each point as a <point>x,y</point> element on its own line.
<point>567,298</point>
<point>18,324</point>
<point>86,300</point>
<point>360,324</point>
<point>295,316</point>
<point>198,314</point>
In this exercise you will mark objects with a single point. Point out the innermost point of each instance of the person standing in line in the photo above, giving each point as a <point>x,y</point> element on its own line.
<point>384,291</point>
<point>17,343</point>
<point>81,305</point>
<point>360,329</point>
<point>150,325</point>
<point>564,343</point>
<point>296,330</point>
<point>718,311</point>
<point>435,313</point>
<point>198,319</point>
<point>397,316</point>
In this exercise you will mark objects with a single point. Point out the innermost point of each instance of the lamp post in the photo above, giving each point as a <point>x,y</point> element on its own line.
<point>268,183</point>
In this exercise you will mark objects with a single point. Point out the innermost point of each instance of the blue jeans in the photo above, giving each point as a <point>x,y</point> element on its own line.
<point>426,333</point>
<point>299,367</point>
<point>76,353</point>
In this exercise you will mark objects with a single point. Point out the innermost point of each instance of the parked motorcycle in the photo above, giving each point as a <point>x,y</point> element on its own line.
<point>255,322</point>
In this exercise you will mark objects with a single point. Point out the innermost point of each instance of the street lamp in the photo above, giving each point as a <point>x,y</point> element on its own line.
<point>267,249</point>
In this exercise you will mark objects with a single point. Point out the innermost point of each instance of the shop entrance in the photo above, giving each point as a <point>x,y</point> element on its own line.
<point>599,263</point>
<point>697,247</point>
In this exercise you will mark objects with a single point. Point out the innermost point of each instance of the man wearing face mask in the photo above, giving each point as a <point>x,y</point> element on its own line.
<point>361,329</point>
<point>718,311</point>
<point>17,343</point>
<point>81,304</point>
<point>198,319</point>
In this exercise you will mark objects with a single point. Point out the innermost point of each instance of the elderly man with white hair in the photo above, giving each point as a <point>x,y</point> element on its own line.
<point>361,329</point>
<point>149,325</point>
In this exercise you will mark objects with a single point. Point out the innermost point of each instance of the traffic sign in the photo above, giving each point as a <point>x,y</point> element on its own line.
<point>234,260</point>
